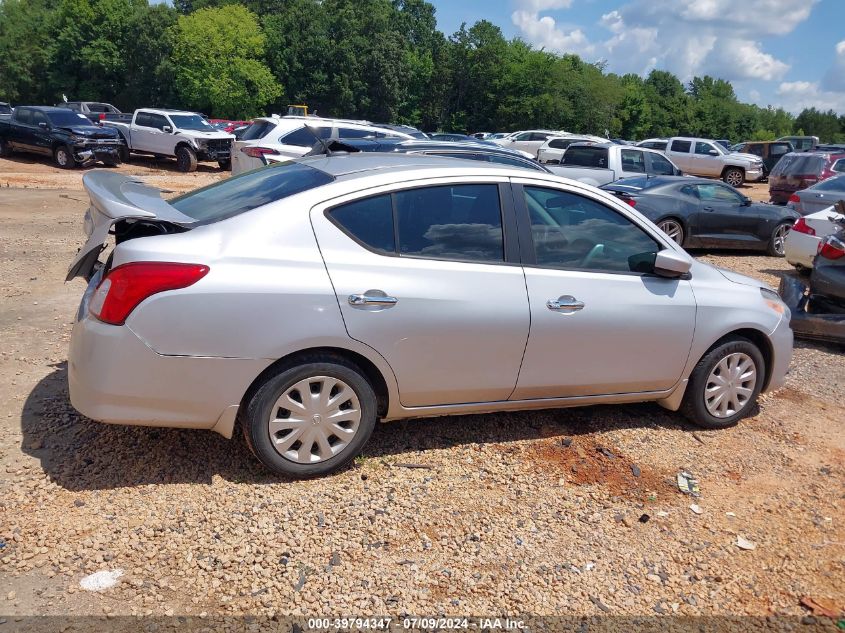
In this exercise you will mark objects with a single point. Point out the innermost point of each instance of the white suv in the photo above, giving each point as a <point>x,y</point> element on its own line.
<point>288,136</point>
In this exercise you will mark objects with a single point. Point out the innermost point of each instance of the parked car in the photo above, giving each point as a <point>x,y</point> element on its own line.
<point>724,143</point>
<point>187,136</point>
<point>5,108</point>
<point>800,170</point>
<point>404,129</point>
<point>802,241</point>
<point>770,152</point>
<point>452,137</point>
<point>700,213</point>
<point>227,126</point>
<point>497,135</point>
<point>68,137</point>
<point>654,143</point>
<point>484,152</point>
<point>552,150</point>
<point>818,311</point>
<point>528,141</point>
<point>600,163</point>
<point>94,111</point>
<point>801,143</point>
<point>313,297</point>
<point>481,135</point>
<point>703,157</point>
<point>819,196</point>
<point>289,137</point>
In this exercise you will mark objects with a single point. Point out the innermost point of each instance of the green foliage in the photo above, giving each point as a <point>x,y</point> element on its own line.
<point>217,59</point>
<point>382,60</point>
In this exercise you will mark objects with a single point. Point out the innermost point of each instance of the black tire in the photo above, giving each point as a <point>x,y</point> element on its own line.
<point>226,164</point>
<point>186,159</point>
<point>5,150</point>
<point>63,157</point>
<point>124,154</point>
<point>734,176</point>
<point>694,406</point>
<point>111,162</point>
<point>775,245</point>
<point>255,418</point>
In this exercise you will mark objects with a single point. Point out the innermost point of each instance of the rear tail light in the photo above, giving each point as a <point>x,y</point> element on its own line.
<point>128,285</point>
<point>257,152</point>
<point>801,226</point>
<point>832,248</point>
<point>794,199</point>
<point>631,202</point>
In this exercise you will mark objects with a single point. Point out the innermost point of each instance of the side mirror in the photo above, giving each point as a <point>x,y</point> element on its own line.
<point>713,152</point>
<point>746,201</point>
<point>43,126</point>
<point>669,263</point>
<point>167,129</point>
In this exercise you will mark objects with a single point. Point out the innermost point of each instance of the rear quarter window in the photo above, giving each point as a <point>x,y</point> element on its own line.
<point>681,146</point>
<point>248,191</point>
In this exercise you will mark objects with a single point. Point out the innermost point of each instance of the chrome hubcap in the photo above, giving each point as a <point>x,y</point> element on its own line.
<point>734,179</point>
<point>779,238</point>
<point>314,420</point>
<point>673,230</point>
<point>61,155</point>
<point>730,385</point>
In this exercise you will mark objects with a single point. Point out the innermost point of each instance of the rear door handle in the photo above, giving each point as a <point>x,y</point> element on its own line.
<point>566,303</point>
<point>371,298</point>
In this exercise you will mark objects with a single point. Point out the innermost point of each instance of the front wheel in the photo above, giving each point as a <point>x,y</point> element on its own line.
<point>186,159</point>
<point>725,384</point>
<point>673,228</point>
<point>63,156</point>
<point>734,176</point>
<point>311,419</point>
<point>776,242</point>
<point>225,164</point>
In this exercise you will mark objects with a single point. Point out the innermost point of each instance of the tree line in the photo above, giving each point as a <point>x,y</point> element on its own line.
<point>382,60</point>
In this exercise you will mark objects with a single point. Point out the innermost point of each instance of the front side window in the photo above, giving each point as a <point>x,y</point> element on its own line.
<point>370,221</point>
<point>38,118</point>
<point>839,165</point>
<point>573,232</point>
<point>633,160</point>
<point>718,193</point>
<point>778,149</point>
<point>704,148</point>
<point>525,136</point>
<point>757,150</point>
<point>681,146</point>
<point>661,166</point>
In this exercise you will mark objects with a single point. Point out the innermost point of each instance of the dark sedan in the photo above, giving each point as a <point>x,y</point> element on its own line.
<point>701,213</point>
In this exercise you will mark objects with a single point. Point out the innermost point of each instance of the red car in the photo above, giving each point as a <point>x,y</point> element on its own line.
<point>799,170</point>
<point>228,126</point>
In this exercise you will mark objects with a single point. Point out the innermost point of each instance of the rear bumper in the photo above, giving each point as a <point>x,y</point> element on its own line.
<point>114,377</point>
<point>779,196</point>
<point>800,248</point>
<point>821,326</point>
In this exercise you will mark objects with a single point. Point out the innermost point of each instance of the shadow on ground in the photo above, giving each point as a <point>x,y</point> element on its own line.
<point>79,454</point>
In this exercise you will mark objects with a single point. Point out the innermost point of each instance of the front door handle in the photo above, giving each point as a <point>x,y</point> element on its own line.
<point>708,208</point>
<point>372,298</point>
<point>566,303</point>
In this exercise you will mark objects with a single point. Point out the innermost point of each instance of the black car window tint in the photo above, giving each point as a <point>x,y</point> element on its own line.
<point>23,115</point>
<point>661,166</point>
<point>369,221</point>
<point>681,146</point>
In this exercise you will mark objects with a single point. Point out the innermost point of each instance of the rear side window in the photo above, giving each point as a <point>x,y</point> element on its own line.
<point>660,165</point>
<point>257,130</point>
<point>779,149</point>
<point>560,143</point>
<point>755,149</point>
<point>303,137</point>
<point>370,221</point>
<point>633,160</point>
<point>23,116</point>
<point>248,191</point>
<point>681,146</point>
<point>585,156</point>
<point>351,132</point>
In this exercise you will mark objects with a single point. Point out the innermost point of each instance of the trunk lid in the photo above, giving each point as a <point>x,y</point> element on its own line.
<point>114,198</point>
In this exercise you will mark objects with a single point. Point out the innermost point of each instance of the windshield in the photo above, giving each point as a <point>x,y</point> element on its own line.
<point>249,190</point>
<point>67,118</point>
<point>191,122</point>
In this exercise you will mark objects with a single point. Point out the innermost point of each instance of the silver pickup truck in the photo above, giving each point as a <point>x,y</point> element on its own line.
<point>598,164</point>
<point>703,157</point>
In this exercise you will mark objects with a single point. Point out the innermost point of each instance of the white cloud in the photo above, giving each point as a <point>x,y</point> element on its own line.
<point>797,95</point>
<point>544,32</point>
<point>834,79</point>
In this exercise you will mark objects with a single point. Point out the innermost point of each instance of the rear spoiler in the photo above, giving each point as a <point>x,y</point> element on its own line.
<point>113,198</point>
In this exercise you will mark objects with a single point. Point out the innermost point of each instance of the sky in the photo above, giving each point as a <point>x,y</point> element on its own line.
<point>784,53</point>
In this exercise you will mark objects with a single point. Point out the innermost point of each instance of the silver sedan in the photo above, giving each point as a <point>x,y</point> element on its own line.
<point>309,299</point>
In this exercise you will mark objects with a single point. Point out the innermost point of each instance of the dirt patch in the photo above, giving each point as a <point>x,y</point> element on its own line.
<point>587,461</point>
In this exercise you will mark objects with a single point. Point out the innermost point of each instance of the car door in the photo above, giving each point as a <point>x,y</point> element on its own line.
<point>600,323</point>
<point>145,133</point>
<point>680,152</point>
<point>726,219</point>
<point>22,137</point>
<point>707,159</point>
<point>42,138</point>
<point>162,141</point>
<point>428,276</point>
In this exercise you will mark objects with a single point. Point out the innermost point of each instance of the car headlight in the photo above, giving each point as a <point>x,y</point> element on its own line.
<point>774,301</point>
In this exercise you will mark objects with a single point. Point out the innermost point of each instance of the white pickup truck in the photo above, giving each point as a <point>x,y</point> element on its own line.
<point>703,157</point>
<point>187,136</point>
<point>598,164</point>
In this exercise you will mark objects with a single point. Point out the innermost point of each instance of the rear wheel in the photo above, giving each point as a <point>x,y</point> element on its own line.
<point>63,156</point>
<point>311,419</point>
<point>673,228</point>
<point>225,164</point>
<point>186,159</point>
<point>776,242</point>
<point>734,176</point>
<point>724,385</point>
<point>123,152</point>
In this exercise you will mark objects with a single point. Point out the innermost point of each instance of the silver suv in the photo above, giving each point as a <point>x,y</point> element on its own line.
<point>311,298</point>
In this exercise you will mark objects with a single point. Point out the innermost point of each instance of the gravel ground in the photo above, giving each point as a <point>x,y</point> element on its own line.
<point>519,513</point>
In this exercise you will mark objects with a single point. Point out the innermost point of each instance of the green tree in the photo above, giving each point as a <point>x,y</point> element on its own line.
<point>217,62</point>
<point>25,35</point>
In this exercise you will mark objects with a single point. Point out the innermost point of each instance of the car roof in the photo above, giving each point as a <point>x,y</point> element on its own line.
<point>350,166</point>
<point>44,109</point>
